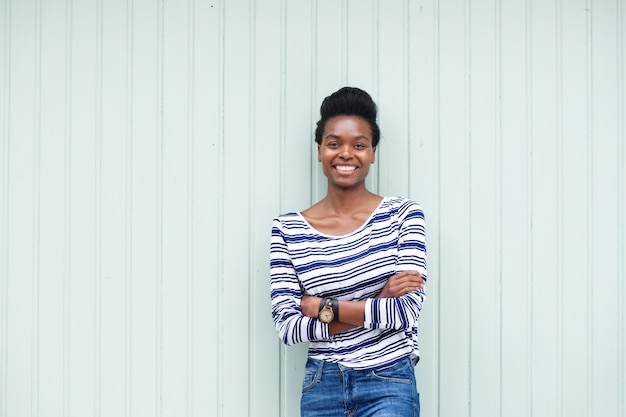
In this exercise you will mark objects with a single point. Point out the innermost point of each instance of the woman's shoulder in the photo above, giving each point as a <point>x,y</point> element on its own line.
<point>288,217</point>
<point>400,204</point>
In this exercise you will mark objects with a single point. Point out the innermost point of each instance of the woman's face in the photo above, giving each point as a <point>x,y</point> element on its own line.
<point>346,151</point>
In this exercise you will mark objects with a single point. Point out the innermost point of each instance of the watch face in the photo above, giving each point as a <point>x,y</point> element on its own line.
<point>326,315</point>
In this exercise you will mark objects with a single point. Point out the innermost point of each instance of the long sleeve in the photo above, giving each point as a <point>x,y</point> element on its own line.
<point>292,326</point>
<point>403,312</point>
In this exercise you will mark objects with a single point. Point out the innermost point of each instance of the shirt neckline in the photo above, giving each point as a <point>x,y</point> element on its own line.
<point>358,229</point>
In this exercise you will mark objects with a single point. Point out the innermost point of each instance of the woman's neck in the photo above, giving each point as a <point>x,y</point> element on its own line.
<point>347,201</point>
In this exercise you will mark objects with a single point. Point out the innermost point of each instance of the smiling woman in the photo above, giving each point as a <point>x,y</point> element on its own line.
<point>348,276</point>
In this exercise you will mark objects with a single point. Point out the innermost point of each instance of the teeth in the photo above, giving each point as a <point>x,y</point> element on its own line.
<point>345,168</point>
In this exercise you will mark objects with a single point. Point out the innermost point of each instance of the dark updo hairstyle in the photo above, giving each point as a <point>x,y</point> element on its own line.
<point>348,101</point>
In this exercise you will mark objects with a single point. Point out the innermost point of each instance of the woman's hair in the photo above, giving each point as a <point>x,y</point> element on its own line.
<point>348,101</point>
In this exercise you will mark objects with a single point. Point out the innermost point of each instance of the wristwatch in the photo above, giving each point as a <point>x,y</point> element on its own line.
<point>328,306</point>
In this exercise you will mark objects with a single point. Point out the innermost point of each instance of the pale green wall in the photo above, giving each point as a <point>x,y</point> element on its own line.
<point>145,147</point>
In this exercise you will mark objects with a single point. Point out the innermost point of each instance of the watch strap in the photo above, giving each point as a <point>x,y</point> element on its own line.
<point>322,304</point>
<point>335,306</point>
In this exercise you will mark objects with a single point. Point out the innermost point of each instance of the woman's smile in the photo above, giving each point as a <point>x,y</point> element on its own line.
<point>345,168</point>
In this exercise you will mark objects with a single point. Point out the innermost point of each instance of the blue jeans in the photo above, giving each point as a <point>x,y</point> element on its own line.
<point>331,390</point>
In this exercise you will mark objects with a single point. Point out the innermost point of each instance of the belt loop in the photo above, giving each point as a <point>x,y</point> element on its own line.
<point>320,370</point>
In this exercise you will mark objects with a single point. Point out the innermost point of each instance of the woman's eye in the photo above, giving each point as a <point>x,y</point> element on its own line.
<point>332,145</point>
<point>359,146</point>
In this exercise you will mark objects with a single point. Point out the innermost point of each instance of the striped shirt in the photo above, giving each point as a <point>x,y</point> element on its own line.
<point>352,267</point>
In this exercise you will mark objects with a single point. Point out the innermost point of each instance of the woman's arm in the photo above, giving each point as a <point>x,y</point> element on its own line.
<point>285,292</point>
<point>352,313</point>
<point>403,312</point>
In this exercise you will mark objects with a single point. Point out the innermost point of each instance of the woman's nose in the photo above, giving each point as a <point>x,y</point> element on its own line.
<point>346,152</point>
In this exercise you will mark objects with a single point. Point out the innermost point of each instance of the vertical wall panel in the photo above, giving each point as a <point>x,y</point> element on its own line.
<point>148,223</point>
<point>5,33</point>
<point>362,30</point>
<point>454,227</point>
<point>205,266</point>
<point>238,160</point>
<point>573,262</point>
<point>267,27</point>
<point>111,354</point>
<point>298,89</point>
<point>621,138</point>
<point>208,230</point>
<point>515,256</point>
<point>146,146</point>
<point>392,99</point>
<point>605,239</point>
<point>424,179</point>
<point>20,211</point>
<point>80,196</point>
<point>484,206</point>
<point>294,47</point>
<point>47,311</point>
<point>176,147</point>
<point>111,254</point>
<point>544,234</point>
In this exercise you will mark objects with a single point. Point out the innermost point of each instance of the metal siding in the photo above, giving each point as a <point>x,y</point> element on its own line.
<point>484,208</point>
<point>454,228</point>
<point>424,179</point>
<point>110,359</point>
<point>573,262</point>
<point>515,217</point>
<point>605,236</point>
<point>235,288</point>
<point>266,137</point>
<point>147,146</point>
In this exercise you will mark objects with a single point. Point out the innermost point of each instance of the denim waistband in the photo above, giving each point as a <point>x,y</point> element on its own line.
<point>333,365</point>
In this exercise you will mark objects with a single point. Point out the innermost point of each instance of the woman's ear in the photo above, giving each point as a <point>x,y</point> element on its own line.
<point>373,155</point>
<point>319,157</point>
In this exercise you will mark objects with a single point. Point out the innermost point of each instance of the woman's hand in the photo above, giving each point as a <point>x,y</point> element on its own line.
<point>401,284</point>
<point>310,305</point>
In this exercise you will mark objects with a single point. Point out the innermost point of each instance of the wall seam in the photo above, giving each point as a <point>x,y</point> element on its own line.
<point>312,167</point>
<point>97,406</point>
<point>4,213</point>
<point>251,190</point>
<point>467,198</point>
<point>345,62</point>
<point>190,317</point>
<point>560,264</point>
<point>376,42</point>
<point>67,192</point>
<point>590,211</point>
<point>407,92</point>
<point>159,232</point>
<point>530,203</point>
<point>437,135</point>
<point>36,215</point>
<point>621,155</point>
<point>221,208</point>
<point>283,408</point>
<point>499,199</point>
<point>376,74</point>
<point>128,212</point>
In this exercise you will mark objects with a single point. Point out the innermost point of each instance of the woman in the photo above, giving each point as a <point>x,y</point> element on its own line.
<point>347,275</point>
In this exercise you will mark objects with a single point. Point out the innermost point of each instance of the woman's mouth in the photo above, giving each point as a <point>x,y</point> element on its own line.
<point>345,168</point>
